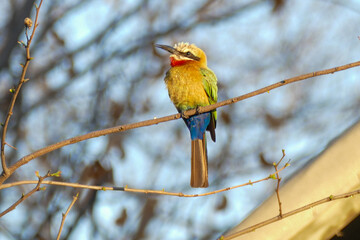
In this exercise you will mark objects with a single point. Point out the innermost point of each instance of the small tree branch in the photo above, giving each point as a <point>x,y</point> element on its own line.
<point>23,197</point>
<point>288,214</point>
<point>16,91</point>
<point>278,182</point>
<point>145,191</point>
<point>65,214</point>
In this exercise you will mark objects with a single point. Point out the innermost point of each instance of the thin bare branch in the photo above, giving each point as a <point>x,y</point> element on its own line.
<point>23,197</point>
<point>278,182</point>
<point>293,212</point>
<point>15,92</point>
<point>11,146</point>
<point>65,214</point>
<point>145,191</point>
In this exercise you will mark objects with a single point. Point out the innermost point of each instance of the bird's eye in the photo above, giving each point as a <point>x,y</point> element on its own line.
<point>188,53</point>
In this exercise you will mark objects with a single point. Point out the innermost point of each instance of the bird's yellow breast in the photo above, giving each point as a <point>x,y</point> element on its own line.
<point>185,86</point>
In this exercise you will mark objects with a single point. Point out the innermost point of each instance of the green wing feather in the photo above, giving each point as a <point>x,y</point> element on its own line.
<point>210,87</point>
<point>210,84</point>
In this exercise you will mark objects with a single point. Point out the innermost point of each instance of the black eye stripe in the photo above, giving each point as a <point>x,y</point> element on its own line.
<point>190,55</point>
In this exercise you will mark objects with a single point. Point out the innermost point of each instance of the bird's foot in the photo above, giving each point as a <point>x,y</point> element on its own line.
<point>184,116</point>
<point>197,110</point>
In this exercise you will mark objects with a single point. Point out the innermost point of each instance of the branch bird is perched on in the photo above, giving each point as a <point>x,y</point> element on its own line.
<point>192,84</point>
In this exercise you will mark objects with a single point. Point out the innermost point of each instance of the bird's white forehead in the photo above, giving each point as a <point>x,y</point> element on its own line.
<point>184,47</point>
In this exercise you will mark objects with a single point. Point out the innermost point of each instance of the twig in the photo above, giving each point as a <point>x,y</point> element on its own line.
<point>154,121</point>
<point>288,214</point>
<point>65,214</point>
<point>278,182</point>
<point>11,146</point>
<point>23,197</point>
<point>15,92</point>
<point>126,189</point>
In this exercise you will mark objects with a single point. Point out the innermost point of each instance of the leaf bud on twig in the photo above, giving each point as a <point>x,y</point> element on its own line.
<point>28,22</point>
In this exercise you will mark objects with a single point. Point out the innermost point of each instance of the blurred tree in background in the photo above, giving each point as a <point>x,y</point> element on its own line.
<point>95,67</point>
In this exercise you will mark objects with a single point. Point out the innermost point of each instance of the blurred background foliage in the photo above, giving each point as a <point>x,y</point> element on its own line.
<point>96,67</point>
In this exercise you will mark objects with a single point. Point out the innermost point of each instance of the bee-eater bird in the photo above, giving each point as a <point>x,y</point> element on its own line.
<point>191,84</point>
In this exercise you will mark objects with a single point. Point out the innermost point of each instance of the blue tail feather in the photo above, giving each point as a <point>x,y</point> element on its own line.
<point>197,125</point>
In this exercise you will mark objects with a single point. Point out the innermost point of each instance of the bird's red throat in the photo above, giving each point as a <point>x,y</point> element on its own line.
<point>174,62</point>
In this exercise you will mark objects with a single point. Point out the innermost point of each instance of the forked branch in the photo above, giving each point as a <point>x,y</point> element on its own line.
<point>143,191</point>
<point>288,214</point>
<point>16,90</point>
<point>24,197</point>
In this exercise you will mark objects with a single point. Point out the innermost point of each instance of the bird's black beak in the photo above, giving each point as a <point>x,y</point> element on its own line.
<point>167,48</point>
<point>176,52</point>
